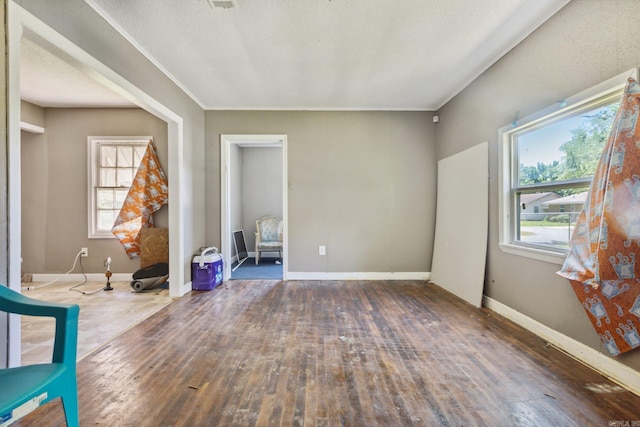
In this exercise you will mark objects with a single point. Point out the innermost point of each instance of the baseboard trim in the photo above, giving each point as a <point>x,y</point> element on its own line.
<point>184,289</point>
<point>91,277</point>
<point>610,368</point>
<point>292,275</point>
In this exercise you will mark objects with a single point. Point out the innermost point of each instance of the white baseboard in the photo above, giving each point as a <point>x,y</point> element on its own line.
<point>184,288</point>
<point>610,368</point>
<point>292,275</point>
<point>91,277</point>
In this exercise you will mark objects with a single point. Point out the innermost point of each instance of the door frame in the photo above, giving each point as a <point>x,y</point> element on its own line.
<point>22,23</point>
<point>255,141</point>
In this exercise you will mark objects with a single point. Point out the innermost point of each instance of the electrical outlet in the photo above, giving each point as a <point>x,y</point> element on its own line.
<point>322,250</point>
<point>85,252</point>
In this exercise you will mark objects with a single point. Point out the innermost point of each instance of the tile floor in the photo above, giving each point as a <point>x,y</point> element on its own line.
<point>103,316</point>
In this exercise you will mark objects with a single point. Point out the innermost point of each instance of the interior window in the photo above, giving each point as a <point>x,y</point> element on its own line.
<point>113,165</point>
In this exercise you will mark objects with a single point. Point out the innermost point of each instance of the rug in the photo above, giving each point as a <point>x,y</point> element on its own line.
<point>266,269</point>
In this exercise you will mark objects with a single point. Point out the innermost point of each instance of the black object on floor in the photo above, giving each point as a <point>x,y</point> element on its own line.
<point>156,270</point>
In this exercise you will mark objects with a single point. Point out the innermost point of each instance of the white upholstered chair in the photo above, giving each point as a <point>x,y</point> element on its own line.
<point>268,236</point>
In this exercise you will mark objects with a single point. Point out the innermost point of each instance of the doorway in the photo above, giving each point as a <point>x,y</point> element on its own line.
<point>22,23</point>
<point>230,145</point>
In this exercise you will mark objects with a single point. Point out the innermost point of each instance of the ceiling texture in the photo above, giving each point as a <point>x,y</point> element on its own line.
<point>309,54</point>
<point>49,81</point>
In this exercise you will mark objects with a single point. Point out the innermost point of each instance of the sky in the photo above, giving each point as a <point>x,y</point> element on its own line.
<point>543,145</point>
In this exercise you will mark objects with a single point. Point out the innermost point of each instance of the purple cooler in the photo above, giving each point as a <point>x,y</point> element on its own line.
<point>206,270</point>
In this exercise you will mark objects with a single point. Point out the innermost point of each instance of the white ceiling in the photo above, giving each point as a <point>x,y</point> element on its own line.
<point>48,81</point>
<point>320,54</point>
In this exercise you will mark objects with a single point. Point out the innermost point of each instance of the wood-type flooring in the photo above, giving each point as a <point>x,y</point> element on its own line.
<point>103,315</point>
<point>331,353</point>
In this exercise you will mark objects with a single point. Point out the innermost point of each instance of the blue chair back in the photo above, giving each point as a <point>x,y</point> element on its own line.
<point>24,388</point>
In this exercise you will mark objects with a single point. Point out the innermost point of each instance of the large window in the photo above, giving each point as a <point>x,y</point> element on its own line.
<point>113,162</point>
<point>547,163</point>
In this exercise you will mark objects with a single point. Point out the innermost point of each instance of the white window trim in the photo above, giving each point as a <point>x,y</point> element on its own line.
<point>506,167</point>
<point>92,167</point>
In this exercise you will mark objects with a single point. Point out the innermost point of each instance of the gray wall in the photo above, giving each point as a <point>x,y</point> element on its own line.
<point>255,188</point>
<point>262,183</point>
<point>361,183</point>
<point>587,42</point>
<point>31,113</point>
<point>34,173</point>
<point>55,188</point>
<point>80,24</point>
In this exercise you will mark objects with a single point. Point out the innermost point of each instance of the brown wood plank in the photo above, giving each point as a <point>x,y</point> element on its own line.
<point>326,353</point>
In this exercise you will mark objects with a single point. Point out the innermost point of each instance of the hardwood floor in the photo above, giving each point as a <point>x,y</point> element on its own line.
<point>103,316</point>
<point>331,353</point>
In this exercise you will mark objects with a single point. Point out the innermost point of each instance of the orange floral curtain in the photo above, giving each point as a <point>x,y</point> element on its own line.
<point>605,244</point>
<point>149,192</point>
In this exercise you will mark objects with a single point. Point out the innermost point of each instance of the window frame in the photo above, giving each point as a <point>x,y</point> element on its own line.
<point>508,163</point>
<point>93,145</point>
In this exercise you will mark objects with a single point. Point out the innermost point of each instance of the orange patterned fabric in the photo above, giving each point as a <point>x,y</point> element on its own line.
<point>149,192</point>
<point>606,240</point>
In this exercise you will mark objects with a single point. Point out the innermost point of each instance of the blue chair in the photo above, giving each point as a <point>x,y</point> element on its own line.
<point>24,388</point>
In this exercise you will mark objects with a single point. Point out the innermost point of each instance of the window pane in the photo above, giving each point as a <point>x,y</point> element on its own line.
<point>107,155</point>
<point>106,219</point>
<point>105,198</point>
<point>125,156</point>
<point>107,177</point>
<point>139,154</point>
<point>125,177</point>
<point>547,217</point>
<point>566,149</point>
<point>121,194</point>
<point>113,168</point>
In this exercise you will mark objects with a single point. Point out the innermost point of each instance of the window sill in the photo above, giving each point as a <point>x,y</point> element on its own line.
<point>538,254</point>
